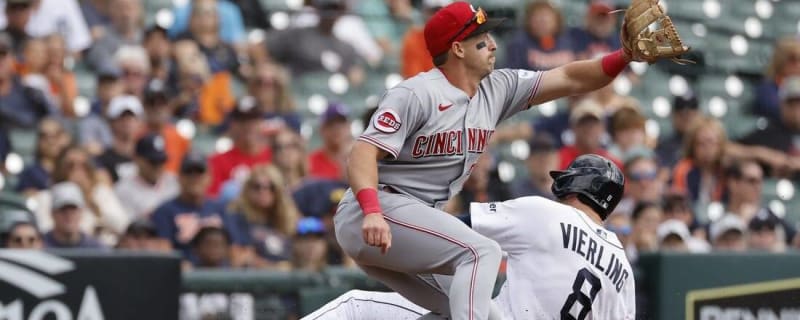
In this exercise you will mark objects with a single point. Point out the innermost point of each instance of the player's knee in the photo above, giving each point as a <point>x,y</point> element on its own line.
<point>490,250</point>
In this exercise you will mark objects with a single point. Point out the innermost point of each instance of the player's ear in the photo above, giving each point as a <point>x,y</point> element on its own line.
<point>458,49</point>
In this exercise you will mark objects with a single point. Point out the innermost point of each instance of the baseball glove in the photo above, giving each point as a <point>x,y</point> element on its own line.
<point>645,44</point>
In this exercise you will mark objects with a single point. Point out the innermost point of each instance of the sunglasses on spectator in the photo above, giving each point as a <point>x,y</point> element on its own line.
<point>479,17</point>
<point>25,241</point>
<point>642,176</point>
<point>624,230</point>
<point>752,180</point>
<point>260,186</point>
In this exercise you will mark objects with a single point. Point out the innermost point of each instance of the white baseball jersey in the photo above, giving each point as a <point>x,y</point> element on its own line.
<point>435,132</point>
<point>561,264</point>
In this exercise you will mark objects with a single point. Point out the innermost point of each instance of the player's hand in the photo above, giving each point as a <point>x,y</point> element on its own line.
<point>376,232</point>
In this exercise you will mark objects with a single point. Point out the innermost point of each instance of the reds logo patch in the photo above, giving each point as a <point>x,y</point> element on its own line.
<point>387,122</point>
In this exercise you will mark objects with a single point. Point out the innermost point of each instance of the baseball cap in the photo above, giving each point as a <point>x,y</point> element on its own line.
<point>122,104</point>
<point>156,90</point>
<point>456,22</point>
<point>790,89</point>
<point>764,219</point>
<point>66,194</point>
<point>193,162</point>
<point>542,143</point>
<point>335,111</point>
<point>108,74</point>
<point>685,102</point>
<point>142,227</point>
<point>675,227</point>
<point>151,147</point>
<point>310,226</point>
<point>727,223</point>
<point>246,109</point>
<point>317,198</point>
<point>587,108</point>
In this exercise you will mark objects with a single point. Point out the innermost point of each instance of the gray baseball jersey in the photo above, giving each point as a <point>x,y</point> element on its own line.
<point>435,132</point>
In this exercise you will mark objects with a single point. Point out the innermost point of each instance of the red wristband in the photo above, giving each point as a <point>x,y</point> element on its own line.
<point>368,200</point>
<point>613,63</point>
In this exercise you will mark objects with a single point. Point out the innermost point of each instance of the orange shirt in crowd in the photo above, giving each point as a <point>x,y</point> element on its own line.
<point>70,87</point>
<point>216,98</point>
<point>569,153</point>
<point>322,166</point>
<point>415,57</point>
<point>176,147</point>
<point>223,166</point>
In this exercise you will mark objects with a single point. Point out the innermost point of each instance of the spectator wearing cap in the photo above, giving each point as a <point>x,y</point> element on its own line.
<point>18,230</point>
<point>673,236</point>
<point>48,17</point>
<point>643,182</point>
<point>127,20</point>
<point>587,121</point>
<point>67,207</point>
<point>124,114</point>
<point>542,158</point>
<point>152,185</point>
<point>766,232</point>
<point>626,127</point>
<point>290,157</point>
<point>327,161</point>
<point>785,63</point>
<point>309,250</point>
<point>103,212</point>
<point>51,140</point>
<point>94,131</point>
<point>728,233</point>
<point>775,145</point>
<point>204,30</point>
<point>269,214</point>
<point>541,44</point>
<point>18,14</point>
<point>21,105</point>
<point>250,147</point>
<point>685,109</point>
<point>141,236</point>
<point>179,219</point>
<point>598,34</point>
<point>415,58</point>
<point>158,116</point>
<point>319,199</point>
<point>211,248</point>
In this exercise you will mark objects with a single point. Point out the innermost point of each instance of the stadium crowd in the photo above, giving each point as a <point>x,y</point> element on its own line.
<point>119,174</point>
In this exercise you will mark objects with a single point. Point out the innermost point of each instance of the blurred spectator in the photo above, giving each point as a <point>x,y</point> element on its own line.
<point>541,43</point>
<point>204,30</point>
<point>677,207</point>
<point>542,159</point>
<point>643,183</point>
<point>24,235</point>
<point>588,123</point>
<point>290,157</point>
<point>699,173</point>
<point>20,105</point>
<point>141,236</point>
<point>270,85</point>
<point>51,139</point>
<point>48,17</point>
<point>159,50</point>
<point>134,66</point>
<point>319,199</point>
<point>673,235</point>
<point>211,248</point>
<point>598,35</point>
<point>627,132</point>
<point>745,184</point>
<point>328,161</point>
<point>775,144</point>
<point>685,109</point>
<point>96,13</point>
<point>620,224</point>
<point>103,211</point>
<point>785,63</point>
<point>646,217</point>
<point>415,57</point>
<point>249,146</point>
<point>179,219</point>
<point>253,12</point>
<point>10,217</point>
<point>152,185</point>
<point>309,246</point>
<point>477,187</point>
<point>67,206</point>
<point>127,20</point>
<point>387,21</point>
<point>230,27</point>
<point>124,114</point>
<point>766,232</point>
<point>93,129</point>
<point>18,14</point>
<point>270,214</point>
<point>314,49</point>
<point>63,84</point>
<point>728,234</point>
<point>158,114</point>
<point>201,95</point>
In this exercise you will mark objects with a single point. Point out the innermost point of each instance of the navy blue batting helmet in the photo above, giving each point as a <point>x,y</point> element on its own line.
<point>596,180</point>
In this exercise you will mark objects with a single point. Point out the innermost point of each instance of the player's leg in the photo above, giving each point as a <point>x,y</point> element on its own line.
<point>426,240</point>
<point>420,289</point>
<point>368,305</point>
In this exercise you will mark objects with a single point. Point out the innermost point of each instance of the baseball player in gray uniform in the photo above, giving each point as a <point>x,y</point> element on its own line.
<point>420,147</point>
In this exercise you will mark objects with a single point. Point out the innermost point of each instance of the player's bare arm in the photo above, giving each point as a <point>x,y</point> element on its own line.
<point>577,78</point>
<point>362,171</point>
